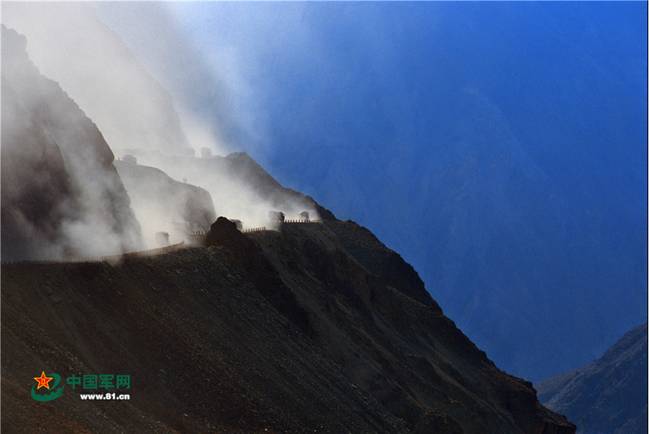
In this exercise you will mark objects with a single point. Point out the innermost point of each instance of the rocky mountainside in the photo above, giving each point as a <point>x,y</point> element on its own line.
<point>608,396</point>
<point>317,326</point>
<point>59,185</point>
<point>163,204</point>
<point>239,186</point>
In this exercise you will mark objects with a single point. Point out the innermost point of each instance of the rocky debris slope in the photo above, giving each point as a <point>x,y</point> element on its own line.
<point>297,330</point>
<point>59,186</point>
<point>608,396</point>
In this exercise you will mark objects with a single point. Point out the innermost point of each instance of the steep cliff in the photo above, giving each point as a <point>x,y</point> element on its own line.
<point>61,195</point>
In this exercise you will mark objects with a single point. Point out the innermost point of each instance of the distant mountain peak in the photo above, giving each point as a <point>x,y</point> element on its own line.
<point>608,395</point>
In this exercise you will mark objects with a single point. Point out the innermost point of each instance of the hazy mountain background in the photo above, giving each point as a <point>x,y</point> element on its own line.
<point>609,395</point>
<point>500,147</point>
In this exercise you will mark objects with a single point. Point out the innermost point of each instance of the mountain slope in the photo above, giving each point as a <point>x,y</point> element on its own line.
<point>608,396</point>
<point>163,204</point>
<point>283,331</point>
<point>240,188</point>
<point>59,185</point>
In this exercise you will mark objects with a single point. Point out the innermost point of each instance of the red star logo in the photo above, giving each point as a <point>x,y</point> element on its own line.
<point>43,381</point>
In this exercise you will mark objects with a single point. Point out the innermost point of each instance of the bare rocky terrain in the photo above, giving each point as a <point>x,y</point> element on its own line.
<point>314,328</point>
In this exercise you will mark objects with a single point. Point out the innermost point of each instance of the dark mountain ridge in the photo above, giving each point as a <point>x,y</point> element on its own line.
<point>285,331</point>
